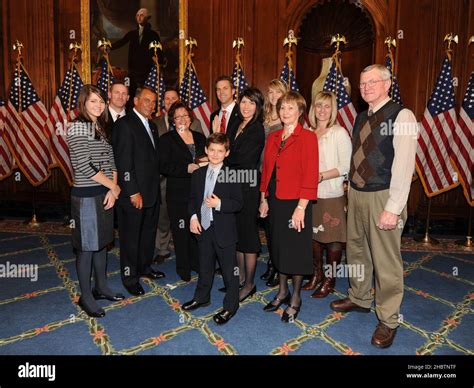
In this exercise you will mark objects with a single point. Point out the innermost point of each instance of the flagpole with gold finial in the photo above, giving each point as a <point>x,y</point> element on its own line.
<point>239,42</point>
<point>338,39</point>
<point>189,44</point>
<point>155,45</point>
<point>391,42</point>
<point>290,40</point>
<point>427,239</point>
<point>18,46</point>
<point>76,47</point>
<point>468,241</point>
<point>106,45</point>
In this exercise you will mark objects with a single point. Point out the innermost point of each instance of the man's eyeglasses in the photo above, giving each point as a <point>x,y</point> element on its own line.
<point>371,83</point>
<point>180,117</point>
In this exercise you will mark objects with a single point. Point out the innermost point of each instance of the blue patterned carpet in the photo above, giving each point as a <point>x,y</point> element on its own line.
<point>41,317</point>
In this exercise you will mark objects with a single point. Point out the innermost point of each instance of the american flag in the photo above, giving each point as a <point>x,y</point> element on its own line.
<point>158,86</point>
<point>287,75</point>
<point>433,162</point>
<point>106,78</point>
<point>463,144</point>
<point>238,79</point>
<point>346,112</point>
<point>63,111</point>
<point>25,119</point>
<point>6,159</point>
<point>191,93</point>
<point>394,92</point>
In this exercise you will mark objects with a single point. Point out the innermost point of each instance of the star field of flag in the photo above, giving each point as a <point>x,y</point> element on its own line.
<point>287,75</point>
<point>238,79</point>
<point>73,79</point>
<point>442,98</point>
<point>191,92</point>
<point>394,87</point>
<point>158,87</point>
<point>28,93</point>
<point>468,101</point>
<point>105,78</point>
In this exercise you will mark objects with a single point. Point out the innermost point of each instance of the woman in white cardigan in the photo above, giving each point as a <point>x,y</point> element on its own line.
<point>329,212</point>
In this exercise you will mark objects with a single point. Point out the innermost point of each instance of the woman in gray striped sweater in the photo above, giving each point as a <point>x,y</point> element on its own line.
<point>93,195</point>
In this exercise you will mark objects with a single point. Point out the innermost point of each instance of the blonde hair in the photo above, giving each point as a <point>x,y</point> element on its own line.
<point>322,97</point>
<point>278,85</point>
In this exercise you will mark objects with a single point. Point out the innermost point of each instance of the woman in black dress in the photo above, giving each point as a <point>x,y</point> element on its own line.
<point>290,181</point>
<point>179,150</point>
<point>245,150</point>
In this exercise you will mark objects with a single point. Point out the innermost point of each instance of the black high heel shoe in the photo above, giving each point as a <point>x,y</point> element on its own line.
<point>114,298</point>
<point>274,307</point>
<point>274,279</point>
<point>291,317</point>
<point>252,292</point>
<point>94,314</point>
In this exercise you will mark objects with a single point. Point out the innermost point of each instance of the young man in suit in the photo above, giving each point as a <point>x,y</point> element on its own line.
<point>118,98</point>
<point>135,143</point>
<point>226,118</point>
<point>212,205</point>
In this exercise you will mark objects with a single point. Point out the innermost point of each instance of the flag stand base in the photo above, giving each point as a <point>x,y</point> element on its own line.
<point>426,240</point>
<point>33,223</point>
<point>466,243</point>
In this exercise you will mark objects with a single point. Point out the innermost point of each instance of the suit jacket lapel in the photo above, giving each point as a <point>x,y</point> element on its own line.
<point>144,132</point>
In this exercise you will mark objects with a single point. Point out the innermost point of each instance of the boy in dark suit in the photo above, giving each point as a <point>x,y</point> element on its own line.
<point>212,206</point>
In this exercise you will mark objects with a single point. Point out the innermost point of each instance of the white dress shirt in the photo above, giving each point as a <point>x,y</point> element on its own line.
<point>228,112</point>
<point>146,124</point>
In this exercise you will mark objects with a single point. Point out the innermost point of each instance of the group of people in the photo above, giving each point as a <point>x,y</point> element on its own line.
<point>259,165</point>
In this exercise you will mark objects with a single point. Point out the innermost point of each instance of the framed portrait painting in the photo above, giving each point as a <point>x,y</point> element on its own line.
<point>130,25</point>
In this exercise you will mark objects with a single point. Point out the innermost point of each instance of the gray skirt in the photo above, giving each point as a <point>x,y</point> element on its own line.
<point>93,226</point>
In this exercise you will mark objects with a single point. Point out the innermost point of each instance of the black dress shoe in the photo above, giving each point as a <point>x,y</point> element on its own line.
<point>273,279</point>
<point>223,317</point>
<point>224,289</point>
<point>135,289</point>
<point>193,305</point>
<point>290,317</point>
<point>270,307</point>
<point>161,258</point>
<point>94,314</point>
<point>153,275</point>
<point>252,292</point>
<point>114,298</point>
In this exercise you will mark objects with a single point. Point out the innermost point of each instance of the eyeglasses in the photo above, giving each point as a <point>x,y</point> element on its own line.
<point>180,117</point>
<point>371,83</point>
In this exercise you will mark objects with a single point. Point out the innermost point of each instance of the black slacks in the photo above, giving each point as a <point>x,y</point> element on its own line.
<point>208,250</point>
<point>185,244</point>
<point>137,232</point>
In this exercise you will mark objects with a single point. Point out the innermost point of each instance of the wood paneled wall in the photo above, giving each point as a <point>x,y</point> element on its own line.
<point>44,26</point>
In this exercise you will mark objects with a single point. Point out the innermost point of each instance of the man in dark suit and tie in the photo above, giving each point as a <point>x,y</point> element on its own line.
<point>135,143</point>
<point>226,118</point>
<point>140,57</point>
<point>213,202</point>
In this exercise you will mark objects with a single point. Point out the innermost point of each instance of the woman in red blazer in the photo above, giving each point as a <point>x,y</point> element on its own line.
<point>290,182</point>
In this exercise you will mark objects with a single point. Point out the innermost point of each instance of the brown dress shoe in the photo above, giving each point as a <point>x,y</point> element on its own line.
<point>383,336</point>
<point>346,305</point>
